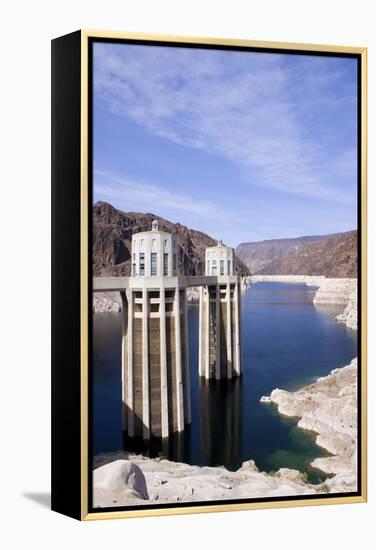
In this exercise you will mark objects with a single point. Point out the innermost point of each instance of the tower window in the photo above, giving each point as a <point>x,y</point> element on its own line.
<point>134,270</point>
<point>228,267</point>
<point>165,264</point>
<point>142,264</point>
<point>174,263</point>
<point>222,267</point>
<point>214,267</point>
<point>153,264</point>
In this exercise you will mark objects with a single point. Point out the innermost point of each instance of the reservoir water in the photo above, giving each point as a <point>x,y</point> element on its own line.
<point>287,342</point>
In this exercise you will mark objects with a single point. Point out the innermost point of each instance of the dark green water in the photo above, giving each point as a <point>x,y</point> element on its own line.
<point>286,342</point>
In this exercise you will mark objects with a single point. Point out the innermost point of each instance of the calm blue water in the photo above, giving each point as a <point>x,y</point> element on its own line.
<point>286,342</point>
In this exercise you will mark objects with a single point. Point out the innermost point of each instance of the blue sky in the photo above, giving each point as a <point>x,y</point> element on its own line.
<point>243,146</point>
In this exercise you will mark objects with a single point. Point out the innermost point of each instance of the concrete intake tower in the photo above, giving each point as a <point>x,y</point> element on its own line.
<point>156,391</point>
<point>219,332</point>
<point>155,362</point>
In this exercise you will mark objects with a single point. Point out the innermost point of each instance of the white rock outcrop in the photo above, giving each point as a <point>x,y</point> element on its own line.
<point>265,399</point>
<point>329,408</point>
<point>335,291</point>
<point>106,302</point>
<point>310,280</point>
<point>350,315</point>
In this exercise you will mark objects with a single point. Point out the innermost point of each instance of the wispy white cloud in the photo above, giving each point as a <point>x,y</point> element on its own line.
<point>241,107</point>
<point>130,194</point>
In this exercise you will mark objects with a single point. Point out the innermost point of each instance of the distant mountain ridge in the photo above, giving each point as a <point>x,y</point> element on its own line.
<point>332,255</point>
<point>257,255</point>
<point>112,242</point>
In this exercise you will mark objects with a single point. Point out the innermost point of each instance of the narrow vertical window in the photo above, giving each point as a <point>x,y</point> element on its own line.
<point>174,267</point>
<point>222,267</point>
<point>142,264</point>
<point>228,267</point>
<point>153,264</point>
<point>165,264</point>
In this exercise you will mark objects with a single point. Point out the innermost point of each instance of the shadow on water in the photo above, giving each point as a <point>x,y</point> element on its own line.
<point>220,418</point>
<point>286,342</point>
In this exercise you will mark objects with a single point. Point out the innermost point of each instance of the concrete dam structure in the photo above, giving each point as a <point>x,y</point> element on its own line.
<point>155,355</point>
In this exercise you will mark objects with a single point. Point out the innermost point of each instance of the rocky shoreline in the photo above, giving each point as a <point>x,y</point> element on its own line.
<point>121,479</point>
<point>335,291</point>
<point>328,407</point>
<point>343,292</point>
<point>106,302</point>
<point>310,280</point>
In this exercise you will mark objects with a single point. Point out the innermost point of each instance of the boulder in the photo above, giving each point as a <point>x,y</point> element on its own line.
<point>121,476</point>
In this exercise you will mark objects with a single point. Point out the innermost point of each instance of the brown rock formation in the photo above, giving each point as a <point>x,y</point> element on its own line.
<point>335,256</point>
<point>112,240</point>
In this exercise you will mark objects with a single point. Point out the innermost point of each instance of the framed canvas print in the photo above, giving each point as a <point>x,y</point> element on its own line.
<point>208,277</point>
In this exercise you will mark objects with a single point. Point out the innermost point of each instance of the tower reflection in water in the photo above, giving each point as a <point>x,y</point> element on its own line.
<point>220,417</point>
<point>218,430</point>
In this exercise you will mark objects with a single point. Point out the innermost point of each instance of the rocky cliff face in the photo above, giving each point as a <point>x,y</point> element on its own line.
<point>334,256</point>
<point>258,255</point>
<point>112,241</point>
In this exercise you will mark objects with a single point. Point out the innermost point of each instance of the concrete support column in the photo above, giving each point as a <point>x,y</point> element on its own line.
<point>145,366</point>
<point>200,334</point>
<point>218,332</point>
<point>206,337</point>
<point>178,359</point>
<point>187,382</point>
<point>129,380</point>
<point>163,360</point>
<point>124,360</point>
<point>237,329</point>
<point>228,331</point>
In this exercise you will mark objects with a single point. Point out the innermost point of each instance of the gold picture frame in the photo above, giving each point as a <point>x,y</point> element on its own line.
<point>81,45</point>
